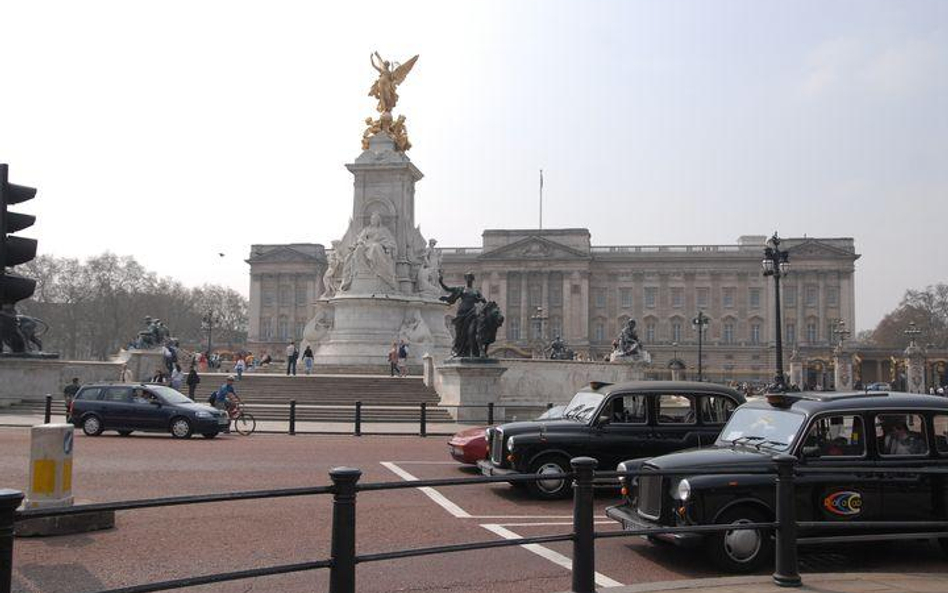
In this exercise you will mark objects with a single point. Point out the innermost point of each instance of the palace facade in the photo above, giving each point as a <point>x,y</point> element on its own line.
<point>555,282</point>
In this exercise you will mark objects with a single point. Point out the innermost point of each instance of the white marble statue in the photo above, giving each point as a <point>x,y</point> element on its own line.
<point>332,270</point>
<point>429,270</point>
<point>372,253</point>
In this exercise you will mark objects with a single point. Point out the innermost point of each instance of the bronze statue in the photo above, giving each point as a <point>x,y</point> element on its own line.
<point>476,322</point>
<point>384,88</point>
<point>559,350</point>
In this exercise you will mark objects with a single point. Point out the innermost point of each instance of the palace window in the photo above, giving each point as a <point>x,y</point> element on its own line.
<point>536,295</point>
<point>599,296</point>
<point>676,331</point>
<point>791,331</point>
<point>283,328</point>
<point>513,330</point>
<point>727,298</point>
<point>300,295</point>
<point>789,296</point>
<point>285,295</point>
<point>266,328</point>
<point>625,297</point>
<point>811,333</point>
<point>727,335</point>
<point>651,292</point>
<point>513,291</point>
<point>702,297</point>
<point>678,297</point>
<point>299,330</point>
<point>556,294</point>
<point>755,334</point>
<point>556,327</point>
<point>754,299</point>
<point>599,333</point>
<point>812,296</point>
<point>832,296</point>
<point>268,297</point>
<point>650,333</point>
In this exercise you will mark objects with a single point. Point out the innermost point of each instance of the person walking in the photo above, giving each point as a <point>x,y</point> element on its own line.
<point>308,359</point>
<point>393,359</point>
<point>403,358</point>
<point>69,393</point>
<point>291,355</point>
<point>192,381</point>
<point>125,375</point>
<point>222,398</point>
<point>177,377</point>
<point>239,368</point>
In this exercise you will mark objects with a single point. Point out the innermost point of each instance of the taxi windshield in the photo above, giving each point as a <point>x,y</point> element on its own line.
<point>762,427</point>
<point>170,395</point>
<point>582,406</point>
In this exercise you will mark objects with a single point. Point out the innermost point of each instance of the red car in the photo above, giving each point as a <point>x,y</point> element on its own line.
<point>470,445</point>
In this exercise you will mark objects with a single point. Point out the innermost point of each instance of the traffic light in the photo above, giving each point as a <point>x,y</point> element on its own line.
<point>14,250</point>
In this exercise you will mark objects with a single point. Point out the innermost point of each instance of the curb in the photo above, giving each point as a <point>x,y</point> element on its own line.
<point>811,581</point>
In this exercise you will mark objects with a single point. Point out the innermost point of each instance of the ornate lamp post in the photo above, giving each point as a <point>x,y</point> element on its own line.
<point>699,323</point>
<point>841,333</point>
<point>776,263</point>
<point>208,322</point>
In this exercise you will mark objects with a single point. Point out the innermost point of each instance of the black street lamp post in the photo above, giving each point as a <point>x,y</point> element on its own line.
<point>776,263</point>
<point>699,323</point>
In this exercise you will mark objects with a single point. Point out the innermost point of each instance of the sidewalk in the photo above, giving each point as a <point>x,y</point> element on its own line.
<point>882,582</point>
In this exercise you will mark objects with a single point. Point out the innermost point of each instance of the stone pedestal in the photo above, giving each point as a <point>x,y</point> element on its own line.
<point>843,373</point>
<point>427,370</point>
<point>470,382</point>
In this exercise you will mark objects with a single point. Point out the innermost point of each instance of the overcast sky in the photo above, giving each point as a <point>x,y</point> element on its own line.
<point>173,131</point>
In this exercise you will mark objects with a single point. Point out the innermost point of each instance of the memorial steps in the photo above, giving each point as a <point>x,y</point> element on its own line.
<point>319,398</point>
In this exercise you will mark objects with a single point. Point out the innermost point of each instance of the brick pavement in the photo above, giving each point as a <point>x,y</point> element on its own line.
<point>812,583</point>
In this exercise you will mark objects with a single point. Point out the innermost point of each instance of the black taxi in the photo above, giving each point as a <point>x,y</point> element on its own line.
<point>849,431</point>
<point>610,422</point>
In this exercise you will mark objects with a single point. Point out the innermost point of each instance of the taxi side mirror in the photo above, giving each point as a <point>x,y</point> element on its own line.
<point>811,451</point>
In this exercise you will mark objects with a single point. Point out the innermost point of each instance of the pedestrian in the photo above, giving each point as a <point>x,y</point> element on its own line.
<point>69,393</point>
<point>393,359</point>
<point>168,355</point>
<point>239,368</point>
<point>125,376</point>
<point>158,377</point>
<point>177,377</point>
<point>250,360</point>
<point>291,355</point>
<point>308,359</point>
<point>192,381</point>
<point>403,359</point>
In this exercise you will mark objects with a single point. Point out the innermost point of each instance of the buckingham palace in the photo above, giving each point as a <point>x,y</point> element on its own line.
<point>555,282</point>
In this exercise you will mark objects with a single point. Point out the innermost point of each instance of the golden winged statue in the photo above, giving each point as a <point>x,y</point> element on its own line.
<point>384,88</point>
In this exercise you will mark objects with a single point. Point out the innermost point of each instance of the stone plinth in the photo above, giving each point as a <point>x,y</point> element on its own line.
<point>843,373</point>
<point>915,369</point>
<point>470,382</point>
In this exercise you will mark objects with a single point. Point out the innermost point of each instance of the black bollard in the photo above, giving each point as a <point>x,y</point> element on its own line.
<point>292,417</point>
<point>342,573</point>
<point>490,413</point>
<point>48,413</point>
<point>423,428</point>
<point>9,501</point>
<point>358,419</point>
<point>786,570</point>
<point>584,541</point>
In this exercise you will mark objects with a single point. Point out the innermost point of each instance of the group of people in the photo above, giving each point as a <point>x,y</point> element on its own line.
<point>293,355</point>
<point>398,359</point>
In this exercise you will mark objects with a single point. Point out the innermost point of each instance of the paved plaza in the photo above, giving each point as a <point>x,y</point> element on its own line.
<point>174,542</point>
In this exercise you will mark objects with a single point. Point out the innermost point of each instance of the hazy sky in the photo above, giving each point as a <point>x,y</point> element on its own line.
<point>172,131</point>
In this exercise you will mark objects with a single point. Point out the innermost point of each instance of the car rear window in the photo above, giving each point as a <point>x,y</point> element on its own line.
<point>89,393</point>
<point>676,409</point>
<point>901,435</point>
<point>716,409</point>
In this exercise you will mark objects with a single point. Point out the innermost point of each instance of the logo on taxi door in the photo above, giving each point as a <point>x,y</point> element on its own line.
<point>845,503</point>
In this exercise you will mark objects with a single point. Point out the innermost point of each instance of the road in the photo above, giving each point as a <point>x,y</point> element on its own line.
<point>157,544</point>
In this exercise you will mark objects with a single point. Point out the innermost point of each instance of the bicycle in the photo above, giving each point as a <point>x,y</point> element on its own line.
<point>244,423</point>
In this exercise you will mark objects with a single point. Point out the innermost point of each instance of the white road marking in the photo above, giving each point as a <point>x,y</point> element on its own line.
<point>551,555</point>
<point>431,493</point>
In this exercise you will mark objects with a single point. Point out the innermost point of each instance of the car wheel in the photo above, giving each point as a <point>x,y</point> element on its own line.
<point>124,433</point>
<point>741,550</point>
<point>92,425</point>
<point>180,428</point>
<point>943,544</point>
<point>554,488</point>
<point>209,435</point>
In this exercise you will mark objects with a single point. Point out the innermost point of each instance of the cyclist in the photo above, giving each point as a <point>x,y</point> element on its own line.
<point>224,399</point>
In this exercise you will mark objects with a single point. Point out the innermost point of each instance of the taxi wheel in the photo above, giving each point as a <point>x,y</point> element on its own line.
<point>743,550</point>
<point>92,425</point>
<point>180,428</point>
<point>550,489</point>
<point>943,544</point>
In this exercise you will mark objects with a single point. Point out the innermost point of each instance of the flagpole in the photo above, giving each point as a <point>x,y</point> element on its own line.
<point>541,199</point>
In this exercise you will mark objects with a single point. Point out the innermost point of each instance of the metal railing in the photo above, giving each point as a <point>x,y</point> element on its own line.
<point>345,487</point>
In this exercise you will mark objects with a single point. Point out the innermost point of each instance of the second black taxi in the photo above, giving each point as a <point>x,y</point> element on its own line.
<point>839,433</point>
<point>610,422</point>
